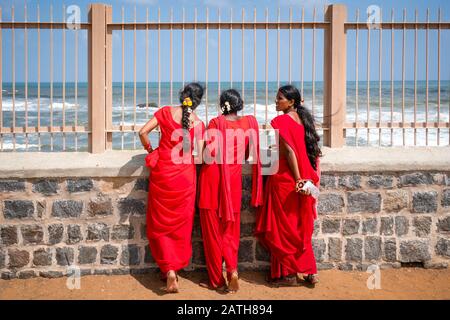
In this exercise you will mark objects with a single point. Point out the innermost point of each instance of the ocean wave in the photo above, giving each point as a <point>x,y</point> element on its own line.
<point>32,105</point>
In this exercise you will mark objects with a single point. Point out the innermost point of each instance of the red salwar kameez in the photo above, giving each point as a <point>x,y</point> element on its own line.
<point>285,221</point>
<point>220,196</point>
<point>171,198</point>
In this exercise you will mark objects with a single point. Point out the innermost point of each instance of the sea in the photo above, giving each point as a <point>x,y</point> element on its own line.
<point>256,102</point>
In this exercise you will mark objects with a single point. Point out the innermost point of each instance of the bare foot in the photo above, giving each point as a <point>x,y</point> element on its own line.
<point>233,285</point>
<point>311,279</point>
<point>172,282</point>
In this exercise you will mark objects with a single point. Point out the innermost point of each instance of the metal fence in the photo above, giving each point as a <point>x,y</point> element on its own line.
<point>113,111</point>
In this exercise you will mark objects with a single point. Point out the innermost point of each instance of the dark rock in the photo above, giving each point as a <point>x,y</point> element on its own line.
<point>123,232</point>
<point>401,225</point>
<point>422,226</point>
<point>97,232</point>
<point>42,257</point>
<point>372,248</point>
<point>8,235</point>
<point>87,255</point>
<point>131,206</point>
<point>32,234</point>
<point>18,209</point>
<point>12,185</point>
<point>335,249</point>
<point>67,209</point>
<point>414,251</point>
<point>350,227</point>
<point>79,185</point>
<point>363,202</point>
<point>353,249</point>
<point>46,187</point>
<point>18,258</point>
<point>370,225</point>
<point>109,254</point>
<point>130,255</point>
<point>330,203</point>
<point>387,226</point>
<point>331,225</point>
<point>64,256</point>
<point>55,233</point>
<point>424,202</point>
<point>74,234</point>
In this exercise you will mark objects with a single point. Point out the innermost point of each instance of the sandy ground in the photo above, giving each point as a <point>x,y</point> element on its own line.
<point>405,283</point>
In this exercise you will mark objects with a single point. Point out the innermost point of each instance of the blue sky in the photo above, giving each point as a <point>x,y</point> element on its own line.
<point>225,5</point>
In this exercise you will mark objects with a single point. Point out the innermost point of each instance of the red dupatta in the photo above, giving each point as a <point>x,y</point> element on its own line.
<point>225,201</point>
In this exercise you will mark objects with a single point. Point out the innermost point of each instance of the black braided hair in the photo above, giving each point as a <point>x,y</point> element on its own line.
<point>311,137</point>
<point>194,91</point>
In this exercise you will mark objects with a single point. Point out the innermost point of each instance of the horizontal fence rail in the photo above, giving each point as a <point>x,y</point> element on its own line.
<point>101,114</point>
<point>407,120</point>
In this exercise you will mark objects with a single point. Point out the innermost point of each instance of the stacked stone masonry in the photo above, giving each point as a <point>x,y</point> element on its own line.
<point>50,227</point>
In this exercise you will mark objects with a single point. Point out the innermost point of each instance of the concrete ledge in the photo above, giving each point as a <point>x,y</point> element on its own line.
<point>130,163</point>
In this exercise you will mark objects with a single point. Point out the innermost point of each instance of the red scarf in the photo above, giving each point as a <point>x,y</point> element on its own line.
<point>225,202</point>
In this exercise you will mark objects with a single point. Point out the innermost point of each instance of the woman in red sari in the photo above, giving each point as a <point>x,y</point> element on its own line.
<point>172,188</point>
<point>285,223</point>
<point>220,188</point>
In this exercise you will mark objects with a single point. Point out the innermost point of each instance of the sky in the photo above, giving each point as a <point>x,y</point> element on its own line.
<point>283,6</point>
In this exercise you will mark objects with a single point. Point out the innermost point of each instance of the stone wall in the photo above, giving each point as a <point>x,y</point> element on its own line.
<point>391,219</point>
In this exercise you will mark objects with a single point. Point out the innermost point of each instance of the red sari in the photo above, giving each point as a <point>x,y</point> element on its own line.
<point>171,198</point>
<point>285,222</point>
<point>220,198</point>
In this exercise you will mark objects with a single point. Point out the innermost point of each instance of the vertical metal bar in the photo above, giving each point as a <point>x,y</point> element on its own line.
<point>357,80</point>
<point>146,66</point>
<point>267,65</point>
<point>392,78</point>
<point>439,79</point>
<point>64,82</point>
<point>278,49</point>
<point>134,81</point>
<point>195,45</point>
<point>171,56</point>
<point>314,64</point>
<point>51,79</point>
<point>415,79</point>
<point>76,87</point>
<point>426,77</point>
<point>218,63</point>
<point>14,80</point>
<point>123,78</point>
<point>39,79</point>
<point>302,53</point>
<point>254,63</point>
<point>231,47</point>
<point>1,83</point>
<point>243,58</point>
<point>159,57</point>
<point>290,45</point>
<point>403,76</point>
<point>368,85</point>
<point>206,66</point>
<point>380,57</point>
<point>26,79</point>
<point>182,50</point>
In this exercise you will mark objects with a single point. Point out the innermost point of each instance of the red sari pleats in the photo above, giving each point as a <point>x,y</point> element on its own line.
<point>220,188</point>
<point>171,199</point>
<point>285,222</point>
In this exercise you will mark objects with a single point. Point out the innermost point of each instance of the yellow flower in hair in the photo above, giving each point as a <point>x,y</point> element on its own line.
<point>187,102</point>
